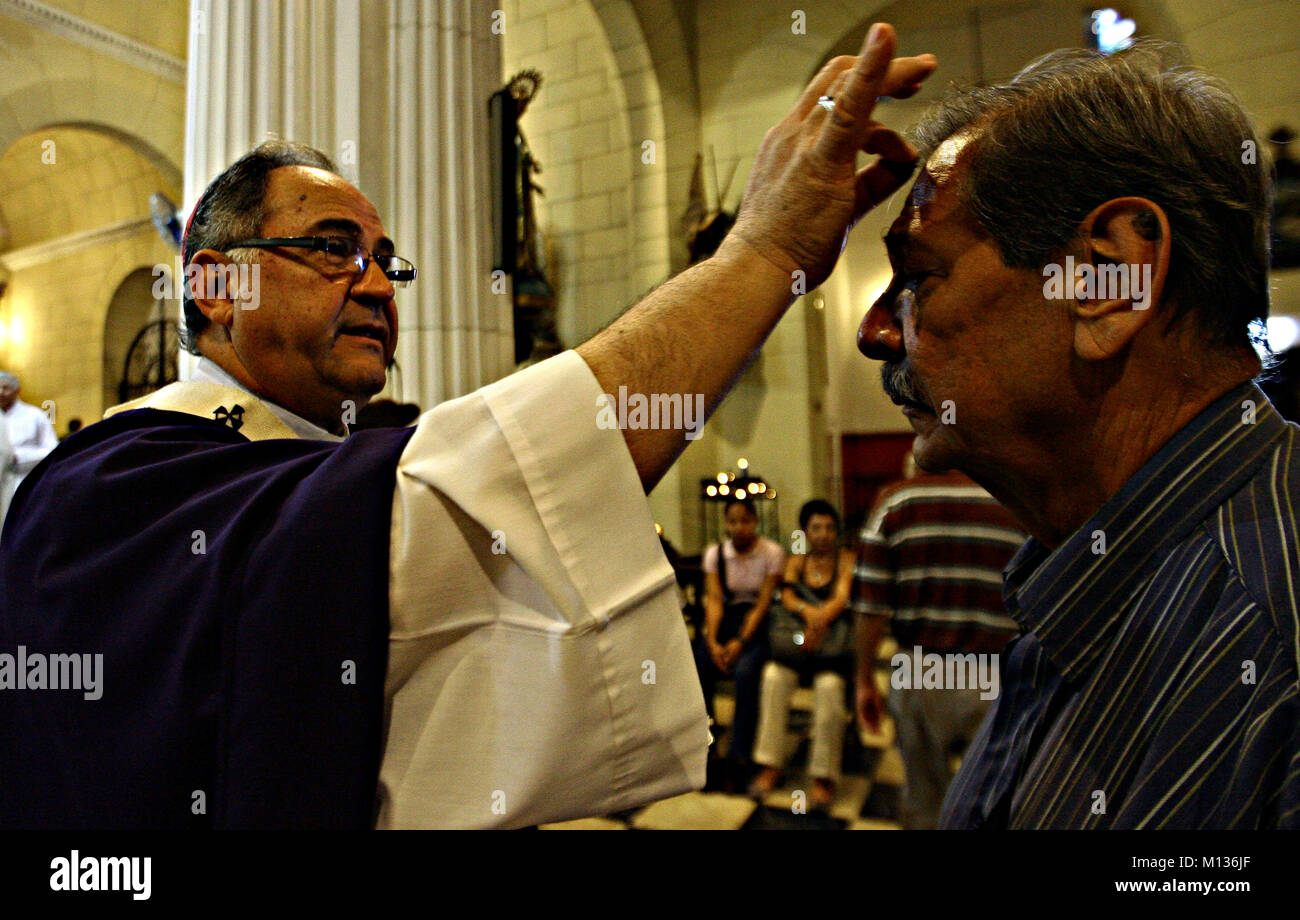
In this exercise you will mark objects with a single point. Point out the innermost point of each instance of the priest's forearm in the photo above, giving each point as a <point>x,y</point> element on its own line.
<point>692,336</point>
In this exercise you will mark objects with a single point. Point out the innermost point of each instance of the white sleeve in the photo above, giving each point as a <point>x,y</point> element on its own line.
<point>49,440</point>
<point>539,667</point>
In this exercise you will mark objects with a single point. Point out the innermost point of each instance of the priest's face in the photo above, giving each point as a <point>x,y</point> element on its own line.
<point>319,337</point>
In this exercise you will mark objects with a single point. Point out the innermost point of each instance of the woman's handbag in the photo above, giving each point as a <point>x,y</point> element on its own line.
<point>786,631</point>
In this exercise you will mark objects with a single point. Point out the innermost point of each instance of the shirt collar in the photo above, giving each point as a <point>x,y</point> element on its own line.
<point>210,372</point>
<point>1073,599</point>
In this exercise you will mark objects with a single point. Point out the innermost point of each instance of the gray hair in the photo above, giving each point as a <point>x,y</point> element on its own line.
<point>12,379</point>
<point>233,208</point>
<point>1075,129</point>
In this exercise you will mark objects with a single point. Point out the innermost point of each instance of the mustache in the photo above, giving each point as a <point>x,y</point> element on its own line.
<point>901,385</point>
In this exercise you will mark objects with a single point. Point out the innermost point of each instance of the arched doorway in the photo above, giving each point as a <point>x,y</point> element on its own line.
<point>140,341</point>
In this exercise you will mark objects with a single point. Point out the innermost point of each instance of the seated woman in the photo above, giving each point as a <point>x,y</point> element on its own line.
<point>741,579</point>
<point>826,574</point>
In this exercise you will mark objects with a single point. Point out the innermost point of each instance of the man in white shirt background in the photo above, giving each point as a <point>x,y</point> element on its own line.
<point>30,437</point>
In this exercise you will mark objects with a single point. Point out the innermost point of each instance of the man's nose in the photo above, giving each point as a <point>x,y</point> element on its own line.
<point>373,285</point>
<point>879,336</point>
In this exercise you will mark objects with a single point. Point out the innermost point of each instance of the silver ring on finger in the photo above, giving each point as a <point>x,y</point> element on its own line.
<point>827,103</point>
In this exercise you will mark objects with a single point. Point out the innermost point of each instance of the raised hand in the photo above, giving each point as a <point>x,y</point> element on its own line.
<point>805,191</point>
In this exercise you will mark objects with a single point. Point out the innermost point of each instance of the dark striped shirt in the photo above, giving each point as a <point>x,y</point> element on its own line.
<point>1156,685</point>
<point>931,556</point>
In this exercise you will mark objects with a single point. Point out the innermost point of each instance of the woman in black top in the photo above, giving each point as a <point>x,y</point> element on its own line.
<point>817,588</point>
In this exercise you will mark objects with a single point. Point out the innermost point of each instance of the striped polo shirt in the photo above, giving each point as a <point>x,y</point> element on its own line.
<point>931,556</point>
<point>1156,684</point>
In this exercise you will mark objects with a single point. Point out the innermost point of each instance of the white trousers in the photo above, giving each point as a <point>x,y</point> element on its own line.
<point>830,720</point>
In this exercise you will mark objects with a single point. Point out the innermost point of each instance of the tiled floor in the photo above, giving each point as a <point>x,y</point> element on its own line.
<point>867,797</point>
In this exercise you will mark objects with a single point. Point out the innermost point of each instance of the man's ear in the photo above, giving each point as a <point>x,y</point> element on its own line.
<point>1119,277</point>
<point>209,287</point>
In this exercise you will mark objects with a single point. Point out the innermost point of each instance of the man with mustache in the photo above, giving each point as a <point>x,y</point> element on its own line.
<point>1155,681</point>
<point>465,624</point>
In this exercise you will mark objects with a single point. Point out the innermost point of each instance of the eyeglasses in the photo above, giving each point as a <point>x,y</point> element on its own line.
<point>339,253</point>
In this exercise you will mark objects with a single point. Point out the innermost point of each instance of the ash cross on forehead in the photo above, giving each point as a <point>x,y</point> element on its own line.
<point>904,246</point>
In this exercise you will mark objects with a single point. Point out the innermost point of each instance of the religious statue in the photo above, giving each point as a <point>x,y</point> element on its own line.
<point>534,298</point>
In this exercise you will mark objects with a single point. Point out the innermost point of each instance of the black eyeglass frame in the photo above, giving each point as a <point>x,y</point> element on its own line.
<point>401,275</point>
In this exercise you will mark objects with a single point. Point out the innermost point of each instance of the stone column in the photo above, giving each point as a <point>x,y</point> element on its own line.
<point>395,92</point>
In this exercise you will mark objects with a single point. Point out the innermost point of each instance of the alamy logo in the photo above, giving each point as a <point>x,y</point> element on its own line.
<point>238,281</point>
<point>38,671</point>
<point>919,670</point>
<point>635,412</point>
<point>1114,281</point>
<point>103,873</point>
